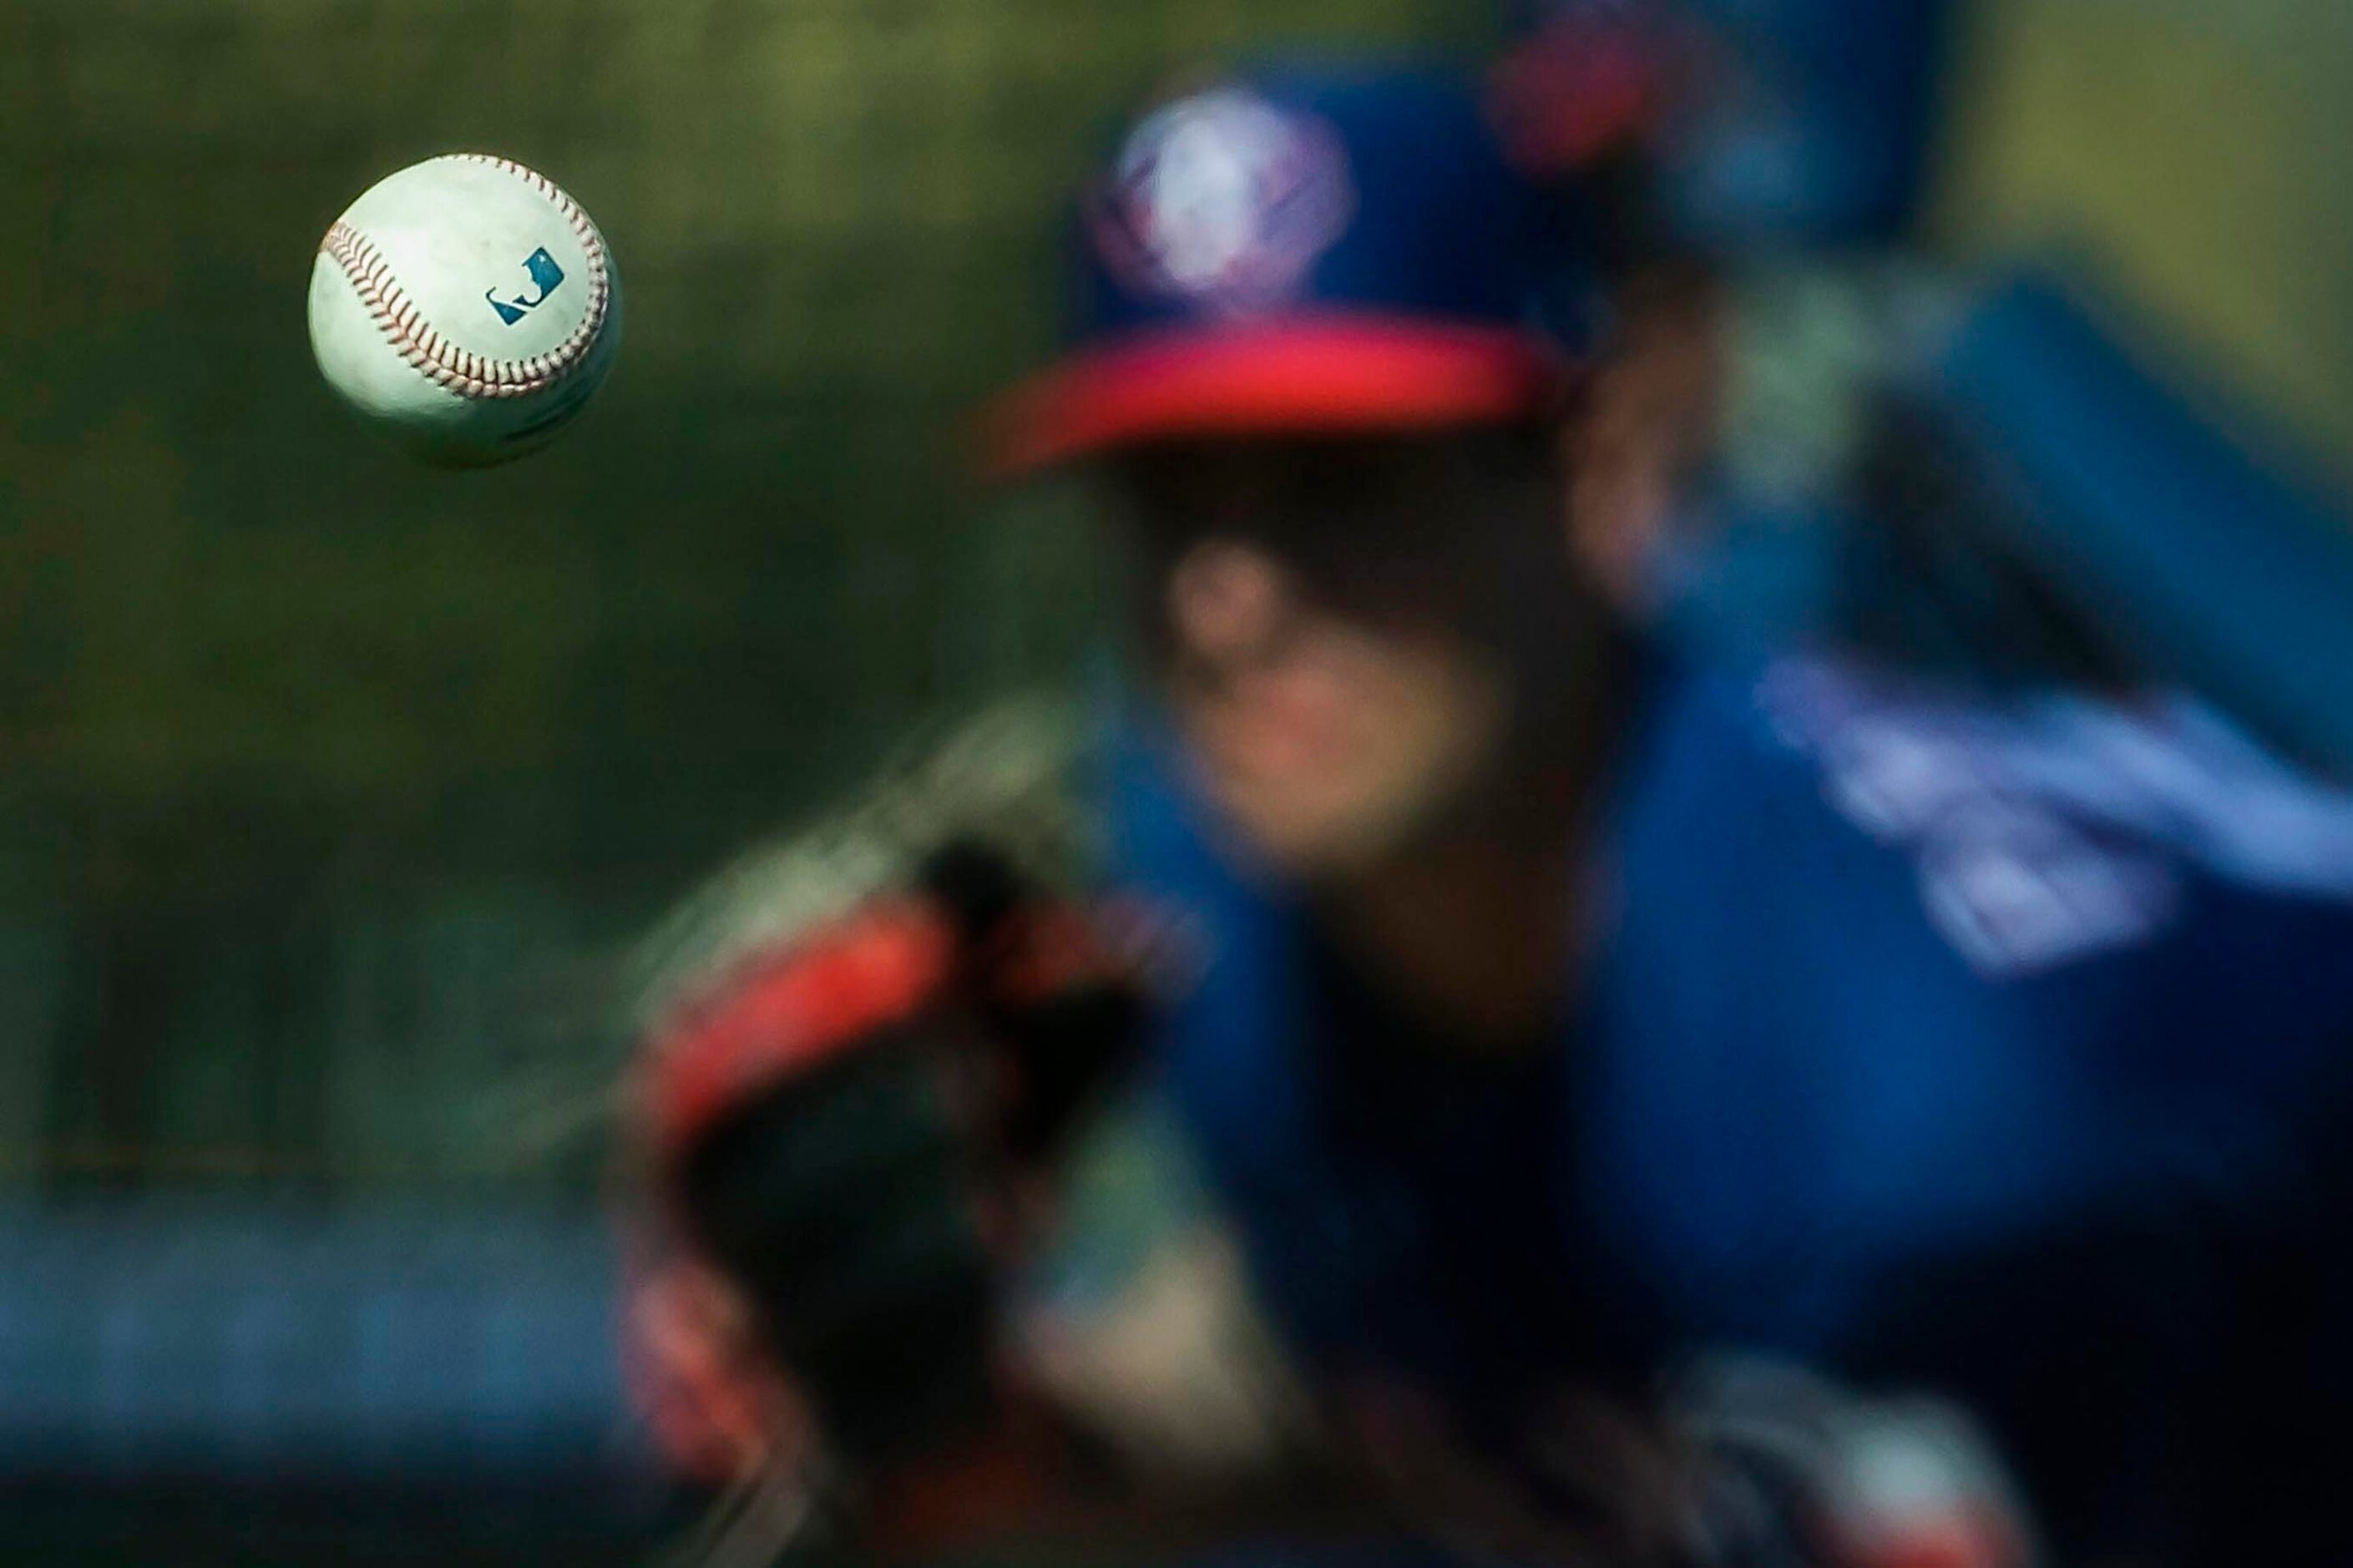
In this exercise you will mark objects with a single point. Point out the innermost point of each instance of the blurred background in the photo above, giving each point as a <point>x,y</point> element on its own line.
<point>332,790</point>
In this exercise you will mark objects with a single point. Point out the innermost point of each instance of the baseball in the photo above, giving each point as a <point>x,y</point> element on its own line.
<point>466,308</point>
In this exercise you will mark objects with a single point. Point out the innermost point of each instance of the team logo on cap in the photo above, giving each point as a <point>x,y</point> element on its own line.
<point>1224,201</point>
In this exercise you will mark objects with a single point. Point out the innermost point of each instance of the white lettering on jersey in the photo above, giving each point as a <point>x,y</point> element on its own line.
<point>2062,827</point>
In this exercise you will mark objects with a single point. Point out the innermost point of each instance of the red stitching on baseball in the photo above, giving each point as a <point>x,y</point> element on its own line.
<point>433,356</point>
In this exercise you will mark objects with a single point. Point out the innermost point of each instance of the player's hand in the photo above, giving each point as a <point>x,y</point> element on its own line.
<point>838,1130</point>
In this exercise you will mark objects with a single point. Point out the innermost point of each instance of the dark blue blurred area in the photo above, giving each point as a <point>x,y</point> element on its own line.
<point>2038,483</point>
<point>1791,122</point>
<point>2045,489</point>
<point>1821,122</point>
<point>2211,555</point>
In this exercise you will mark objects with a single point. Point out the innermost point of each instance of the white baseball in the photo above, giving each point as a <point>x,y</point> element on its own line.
<point>465,307</point>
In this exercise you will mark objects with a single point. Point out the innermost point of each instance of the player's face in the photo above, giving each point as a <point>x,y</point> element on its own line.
<point>1343,630</point>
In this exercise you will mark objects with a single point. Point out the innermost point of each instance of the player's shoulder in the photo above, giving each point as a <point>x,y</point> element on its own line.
<point>2042,827</point>
<point>1915,969</point>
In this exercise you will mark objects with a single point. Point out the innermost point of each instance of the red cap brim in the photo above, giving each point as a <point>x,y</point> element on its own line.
<point>1291,377</point>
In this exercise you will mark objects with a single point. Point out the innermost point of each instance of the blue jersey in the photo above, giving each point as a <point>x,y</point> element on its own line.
<point>1912,1026</point>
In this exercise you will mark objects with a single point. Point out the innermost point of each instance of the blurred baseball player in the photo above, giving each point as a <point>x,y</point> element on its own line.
<point>1661,1113</point>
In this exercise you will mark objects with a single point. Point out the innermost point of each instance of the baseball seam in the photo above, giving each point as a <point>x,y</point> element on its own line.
<point>433,356</point>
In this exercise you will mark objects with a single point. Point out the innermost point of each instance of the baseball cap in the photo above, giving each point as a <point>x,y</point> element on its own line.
<point>1308,249</point>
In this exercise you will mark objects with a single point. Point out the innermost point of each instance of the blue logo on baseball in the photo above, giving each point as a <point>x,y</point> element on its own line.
<point>546,276</point>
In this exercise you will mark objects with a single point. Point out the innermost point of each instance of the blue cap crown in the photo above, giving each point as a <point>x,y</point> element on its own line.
<point>1297,192</point>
